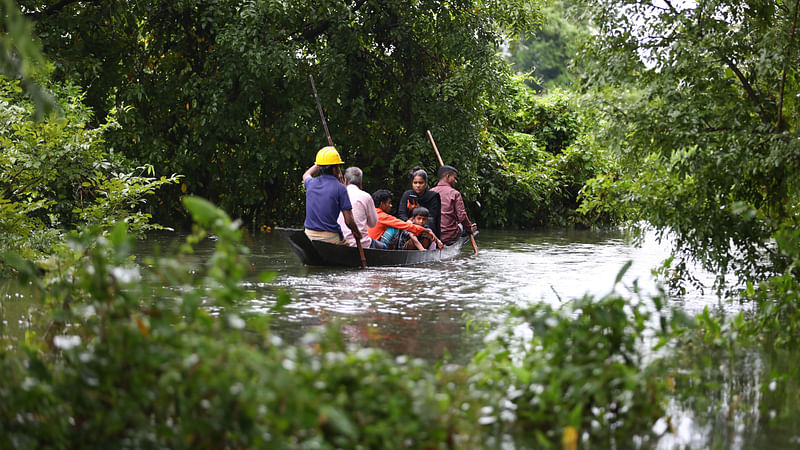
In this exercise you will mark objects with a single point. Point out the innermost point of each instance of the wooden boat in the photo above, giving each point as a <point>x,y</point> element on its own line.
<point>316,253</point>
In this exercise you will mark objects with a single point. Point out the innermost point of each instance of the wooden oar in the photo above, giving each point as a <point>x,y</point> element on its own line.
<point>441,163</point>
<point>330,142</point>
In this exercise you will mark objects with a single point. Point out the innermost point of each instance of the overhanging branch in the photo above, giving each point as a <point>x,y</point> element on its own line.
<point>785,61</point>
<point>751,93</point>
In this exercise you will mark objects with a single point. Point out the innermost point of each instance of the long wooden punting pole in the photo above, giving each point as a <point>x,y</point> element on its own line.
<point>441,163</point>
<point>330,142</point>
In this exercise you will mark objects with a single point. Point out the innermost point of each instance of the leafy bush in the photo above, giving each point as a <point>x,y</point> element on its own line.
<point>776,317</point>
<point>581,372</point>
<point>134,358</point>
<point>536,162</point>
<point>58,173</point>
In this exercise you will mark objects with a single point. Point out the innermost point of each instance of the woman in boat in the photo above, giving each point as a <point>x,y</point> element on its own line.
<point>420,195</point>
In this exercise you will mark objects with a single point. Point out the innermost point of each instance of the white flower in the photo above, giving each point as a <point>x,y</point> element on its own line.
<point>66,342</point>
<point>235,321</point>
<point>126,275</point>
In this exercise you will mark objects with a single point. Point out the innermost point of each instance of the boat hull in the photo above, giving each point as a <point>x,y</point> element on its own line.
<point>316,253</point>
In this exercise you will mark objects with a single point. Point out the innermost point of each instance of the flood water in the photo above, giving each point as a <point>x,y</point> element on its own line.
<point>427,310</point>
<point>440,310</point>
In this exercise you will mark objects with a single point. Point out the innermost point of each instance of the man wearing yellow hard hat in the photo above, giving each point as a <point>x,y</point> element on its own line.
<point>326,197</point>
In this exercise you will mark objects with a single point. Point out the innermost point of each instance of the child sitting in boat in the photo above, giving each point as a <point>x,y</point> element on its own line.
<point>419,216</point>
<point>386,231</point>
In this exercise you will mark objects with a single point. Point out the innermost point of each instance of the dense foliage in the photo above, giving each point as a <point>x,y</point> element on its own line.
<point>21,57</point>
<point>58,173</point>
<point>583,370</point>
<point>130,356</point>
<point>220,92</point>
<point>536,160</point>
<point>548,52</point>
<point>700,101</point>
<point>692,126</point>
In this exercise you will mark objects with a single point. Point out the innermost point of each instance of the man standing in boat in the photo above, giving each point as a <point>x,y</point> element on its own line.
<point>363,211</point>
<point>453,211</point>
<point>326,197</point>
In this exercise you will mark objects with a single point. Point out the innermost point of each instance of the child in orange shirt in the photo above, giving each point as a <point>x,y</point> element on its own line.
<point>388,225</point>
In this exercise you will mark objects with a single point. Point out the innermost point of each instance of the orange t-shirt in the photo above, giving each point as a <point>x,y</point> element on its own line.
<point>386,220</point>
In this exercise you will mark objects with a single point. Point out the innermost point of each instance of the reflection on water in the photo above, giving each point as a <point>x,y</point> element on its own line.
<point>749,401</point>
<point>424,311</point>
<point>426,307</point>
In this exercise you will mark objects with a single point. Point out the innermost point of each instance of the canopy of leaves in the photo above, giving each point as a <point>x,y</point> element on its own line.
<point>536,159</point>
<point>58,173</point>
<point>220,89</point>
<point>548,53</point>
<point>701,103</point>
<point>21,56</point>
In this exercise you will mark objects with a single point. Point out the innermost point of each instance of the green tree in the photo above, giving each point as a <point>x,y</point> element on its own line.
<point>220,90</point>
<point>58,173</point>
<point>548,53</point>
<point>21,56</point>
<point>700,101</point>
<point>536,159</point>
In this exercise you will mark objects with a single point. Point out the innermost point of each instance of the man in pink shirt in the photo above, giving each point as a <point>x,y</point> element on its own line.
<point>363,212</point>
<point>453,211</point>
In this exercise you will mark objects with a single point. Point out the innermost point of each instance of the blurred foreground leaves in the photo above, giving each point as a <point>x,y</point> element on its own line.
<point>155,355</point>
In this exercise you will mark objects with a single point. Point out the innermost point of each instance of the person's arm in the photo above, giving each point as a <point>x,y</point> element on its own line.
<point>372,216</point>
<point>402,208</point>
<point>436,214</point>
<point>461,214</point>
<point>391,221</point>
<point>416,242</point>
<point>311,172</point>
<point>433,237</point>
<point>351,223</point>
<point>430,234</point>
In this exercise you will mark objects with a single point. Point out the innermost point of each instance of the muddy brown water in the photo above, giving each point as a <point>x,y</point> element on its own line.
<point>439,310</point>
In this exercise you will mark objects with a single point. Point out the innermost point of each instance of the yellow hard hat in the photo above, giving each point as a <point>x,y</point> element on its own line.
<point>328,156</point>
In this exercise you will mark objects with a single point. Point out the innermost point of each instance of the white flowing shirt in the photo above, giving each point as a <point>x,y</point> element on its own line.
<point>363,213</point>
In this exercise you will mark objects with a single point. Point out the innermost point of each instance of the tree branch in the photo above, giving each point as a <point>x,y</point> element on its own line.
<point>783,76</point>
<point>671,8</point>
<point>751,93</point>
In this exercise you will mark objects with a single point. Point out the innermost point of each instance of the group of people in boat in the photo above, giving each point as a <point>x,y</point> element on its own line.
<point>338,211</point>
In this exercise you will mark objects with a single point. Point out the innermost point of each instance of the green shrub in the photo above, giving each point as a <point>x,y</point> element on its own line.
<point>58,173</point>
<point>134,358</point>
<point>161,356</point>
<point>582,372</point>
<point>536,160</point>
